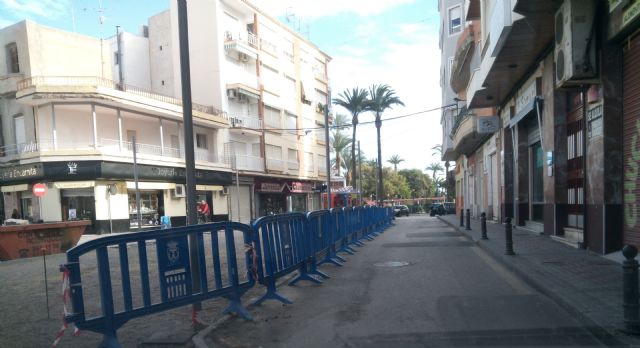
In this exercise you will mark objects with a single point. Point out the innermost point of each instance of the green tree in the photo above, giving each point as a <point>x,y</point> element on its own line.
<point>355,101</point>
<point>420,183</point>
<point>381,98</point>
<point>435,168</point>
<point>395,160</point>
<point>339,143</point>
<point>395,184</point>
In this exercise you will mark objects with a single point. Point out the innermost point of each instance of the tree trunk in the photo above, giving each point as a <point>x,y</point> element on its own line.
<point>380,186</point>
<point>352,172</point>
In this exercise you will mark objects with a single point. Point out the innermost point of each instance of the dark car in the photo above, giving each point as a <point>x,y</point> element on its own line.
<point>437,209</point>
<point>399,210</point>
<point>450,207</point>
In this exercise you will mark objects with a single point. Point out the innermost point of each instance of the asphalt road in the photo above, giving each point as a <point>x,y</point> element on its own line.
<point>450,293</point>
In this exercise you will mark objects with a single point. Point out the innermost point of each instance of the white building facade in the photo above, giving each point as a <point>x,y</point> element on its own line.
<point>71,107</point>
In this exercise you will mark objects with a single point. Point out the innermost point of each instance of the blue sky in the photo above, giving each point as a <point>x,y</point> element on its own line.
<point>371,41</point>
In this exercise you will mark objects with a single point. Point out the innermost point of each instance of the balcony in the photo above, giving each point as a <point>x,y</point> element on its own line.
<point>244,44</point>
<point>274,164</point>
<point>250,163</point>
<point>464,133</point>
<point>112,148</point>
<point>511,52</point>
<point>460,71</point>
<point>293,165</point>
<point>9,83</point>
<point>37,90</point>
<point>246,124</point>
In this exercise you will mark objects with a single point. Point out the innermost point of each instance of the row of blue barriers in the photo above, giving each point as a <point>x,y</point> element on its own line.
<point>231,258</point>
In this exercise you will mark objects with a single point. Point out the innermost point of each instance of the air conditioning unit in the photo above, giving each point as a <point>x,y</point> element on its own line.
<point>574,53</point>
<point>179,191</point>
<point>243,97</point>
<point>232,93</point>
<point>243,57</point>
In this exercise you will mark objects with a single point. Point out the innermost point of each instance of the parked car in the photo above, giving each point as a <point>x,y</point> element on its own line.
<point>450,207</point>
<point>399,210</point>
<point>437,209</point>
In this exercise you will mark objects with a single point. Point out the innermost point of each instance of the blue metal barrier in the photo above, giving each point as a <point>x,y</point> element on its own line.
<point>173,269</point>
<point>368,229</point>
<point>325,220</point>
<point>281,250</point>
<point>340,225</point>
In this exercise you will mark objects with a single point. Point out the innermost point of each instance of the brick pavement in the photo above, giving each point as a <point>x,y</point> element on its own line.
<point>586,284</point>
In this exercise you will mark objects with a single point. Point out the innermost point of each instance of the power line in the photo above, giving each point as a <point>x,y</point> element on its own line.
<point>349,125</point>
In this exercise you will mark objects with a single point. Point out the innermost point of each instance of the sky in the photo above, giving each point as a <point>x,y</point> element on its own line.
<point>392,42</point>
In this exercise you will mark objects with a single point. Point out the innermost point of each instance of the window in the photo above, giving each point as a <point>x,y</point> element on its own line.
<point>308,161</point>
<point>255,149</point>
<point>455,20</point>
<point>13,66</point>
<point>292,158</point>
<point>201,141</point>
<point>273,152</point>
<point>116,57</point>
<point>272,117</point>
<point>19,130</point>
<point>292,123</point>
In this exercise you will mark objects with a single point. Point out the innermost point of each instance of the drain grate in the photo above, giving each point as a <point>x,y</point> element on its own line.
<point>392,264</point>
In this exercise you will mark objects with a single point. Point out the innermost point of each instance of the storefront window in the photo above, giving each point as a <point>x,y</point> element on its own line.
<point>148,208</point>
<point>537,176</point>
<point>26,208</point>
<point>272,204</point>
<point>78,208</point>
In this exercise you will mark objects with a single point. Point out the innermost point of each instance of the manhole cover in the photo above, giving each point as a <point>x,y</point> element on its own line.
<point>392,264</point>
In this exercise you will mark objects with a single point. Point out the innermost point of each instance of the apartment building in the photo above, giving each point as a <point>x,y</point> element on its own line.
<point>561,79</point>
<point>72,107</point>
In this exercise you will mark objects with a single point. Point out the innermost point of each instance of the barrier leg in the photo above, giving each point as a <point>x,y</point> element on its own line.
<point>313,269</point>
<point>272,294</point>
<point>304,275</point>
<point>110,340</point>
<point>235,306</point>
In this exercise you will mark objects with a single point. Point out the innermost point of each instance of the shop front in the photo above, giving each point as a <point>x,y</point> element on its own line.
<point>276,197</point>
<point>106,194</point>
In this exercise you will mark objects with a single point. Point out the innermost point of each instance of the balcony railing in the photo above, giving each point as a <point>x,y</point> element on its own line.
<point>462,115</point>
<point>275,164</point>
<point>246,122</point>
<point>246,162</point>
<point>94,81</point>
<point>247,36</point>
<point>293,165</point>
<point>106,147</point>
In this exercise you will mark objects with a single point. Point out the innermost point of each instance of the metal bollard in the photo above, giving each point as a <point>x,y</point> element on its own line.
<point>630,290</point>
<point>461,217</point>
<point>483,225</point>
<point>468,221</point>
<point>508,237</point>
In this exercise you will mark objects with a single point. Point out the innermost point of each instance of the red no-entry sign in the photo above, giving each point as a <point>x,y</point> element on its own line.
<point>39,190</point>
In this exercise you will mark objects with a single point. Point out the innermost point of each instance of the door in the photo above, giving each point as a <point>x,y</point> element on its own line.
<point>19,131</point>
<point>537,188</point>
<point>575,162</point>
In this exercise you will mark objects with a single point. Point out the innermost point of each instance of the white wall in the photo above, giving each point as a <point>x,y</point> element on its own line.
<point>161,62</point>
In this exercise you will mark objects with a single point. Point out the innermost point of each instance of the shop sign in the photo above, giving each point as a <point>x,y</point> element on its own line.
<point>270,187</point>
<point>526,95</point>
<point>301,187</point>
<point>488,124</point>
<point>630,13</point>
<point>20,172</point>
<point>594,120</point>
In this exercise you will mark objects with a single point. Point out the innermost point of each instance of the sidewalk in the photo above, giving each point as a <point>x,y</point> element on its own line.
<point>585,284</point>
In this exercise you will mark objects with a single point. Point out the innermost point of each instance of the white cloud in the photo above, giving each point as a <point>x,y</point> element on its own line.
<point>315,9</point>
<point>42,8</point>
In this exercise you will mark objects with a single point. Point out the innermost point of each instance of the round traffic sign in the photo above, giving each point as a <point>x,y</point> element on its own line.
<point>39,190</point>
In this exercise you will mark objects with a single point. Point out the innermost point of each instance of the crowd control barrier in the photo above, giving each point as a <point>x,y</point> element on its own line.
<point>126,277</point>
<point>141,273</point>
<point>281,250</point>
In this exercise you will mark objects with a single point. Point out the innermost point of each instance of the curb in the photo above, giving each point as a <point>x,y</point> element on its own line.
<point>609,336</point>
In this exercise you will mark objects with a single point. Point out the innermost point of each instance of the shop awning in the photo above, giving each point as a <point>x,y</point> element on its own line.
<point>131,185</point>
<point>15,188</point>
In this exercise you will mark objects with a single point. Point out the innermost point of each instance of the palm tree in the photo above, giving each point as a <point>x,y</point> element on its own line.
<point>395,160</point>
<point>339,142</point>
<point>435,168</point>
<point>381,98</point>
<point>355,102</point>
